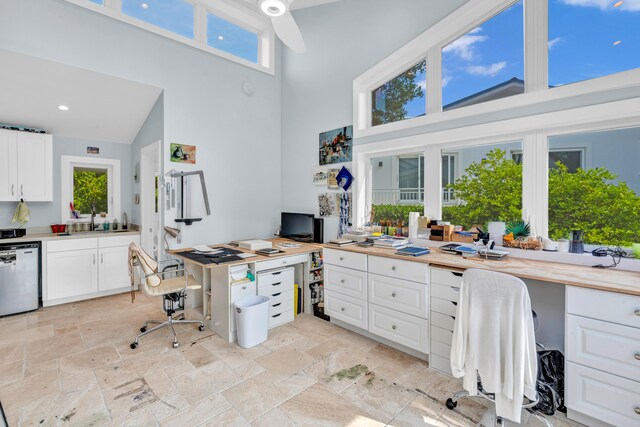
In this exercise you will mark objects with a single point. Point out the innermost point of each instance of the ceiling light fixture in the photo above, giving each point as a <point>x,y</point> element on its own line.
<point>618,4</point>
<point>274,7</point>
<point>63,108</point>
<point>144,5</point>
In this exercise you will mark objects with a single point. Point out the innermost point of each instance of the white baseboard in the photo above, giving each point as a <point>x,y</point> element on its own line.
<point>76,298</point>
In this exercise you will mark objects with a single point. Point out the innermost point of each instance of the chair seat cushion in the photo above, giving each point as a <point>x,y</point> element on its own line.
<point>175,284</point>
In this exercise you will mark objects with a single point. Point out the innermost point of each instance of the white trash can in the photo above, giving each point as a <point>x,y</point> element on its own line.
<point>252,320</point>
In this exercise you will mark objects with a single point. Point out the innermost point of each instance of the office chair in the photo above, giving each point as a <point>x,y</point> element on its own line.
<point>173,291</point>
<point>494,312</point>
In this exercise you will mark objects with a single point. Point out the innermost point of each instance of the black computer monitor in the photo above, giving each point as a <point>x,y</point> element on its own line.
<point>297,226</point>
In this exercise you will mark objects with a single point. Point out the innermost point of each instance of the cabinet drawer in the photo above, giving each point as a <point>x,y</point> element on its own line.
<point>346,281</point>
<point>444,306</point>
<point>281,303</point>
<point>603,396</point>
<point>398,327</point>
<point>71,245</point>
<point>402,295</point>
<point>407,270</point>
<point>602,305</point>
<point>442,335</point>
<point>442,320</point>
<point>277,319</point>
<point>281,262</point>
<point>118,240</point>
<point>439,363</point>
<point>276,281</point>
<point>348,309</point>
<point>604,346</point>
<point>443,276</point>
<point>345,259</point>
<point>445,292</point>
<point>441,349</point>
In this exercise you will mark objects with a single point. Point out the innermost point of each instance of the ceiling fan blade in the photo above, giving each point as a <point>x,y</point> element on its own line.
<point>287,30</point>
<point>300,4</point>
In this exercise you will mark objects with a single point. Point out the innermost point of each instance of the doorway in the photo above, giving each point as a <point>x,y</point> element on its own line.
<point>150,198</point>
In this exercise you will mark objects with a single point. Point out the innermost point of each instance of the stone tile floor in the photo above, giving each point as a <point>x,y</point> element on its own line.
<point>72,365</point>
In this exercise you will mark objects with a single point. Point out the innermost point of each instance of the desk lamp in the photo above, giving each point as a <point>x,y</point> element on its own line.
<point>173,232</point>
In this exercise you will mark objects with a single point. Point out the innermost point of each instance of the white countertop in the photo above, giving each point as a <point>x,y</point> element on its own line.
<point>40,237</point>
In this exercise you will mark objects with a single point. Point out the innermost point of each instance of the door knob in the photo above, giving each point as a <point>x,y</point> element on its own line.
<point>393,327</point>
<point>393,268</point>
<point>341,259</point>
<point>393,295</point>
<point>342,309</point>
<point>341,280</point>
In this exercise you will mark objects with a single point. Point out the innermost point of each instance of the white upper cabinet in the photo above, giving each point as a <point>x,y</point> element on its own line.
<point>26,166</point>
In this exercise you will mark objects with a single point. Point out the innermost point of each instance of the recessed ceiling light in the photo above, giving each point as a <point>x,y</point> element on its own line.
<point>618,4</point>
<point>617,42</point>
<point>63,108</point>
<point>220,38</point>
<point>144,5</point>
<point>273,7</point>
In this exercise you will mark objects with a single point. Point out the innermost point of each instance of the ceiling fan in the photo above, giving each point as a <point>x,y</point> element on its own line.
<point>283,23</point>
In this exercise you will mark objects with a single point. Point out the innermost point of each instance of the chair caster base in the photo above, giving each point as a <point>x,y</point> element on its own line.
<point>133,345</point>
<point>451,404</point>
<point>143,329</point>
<point>201,328</point>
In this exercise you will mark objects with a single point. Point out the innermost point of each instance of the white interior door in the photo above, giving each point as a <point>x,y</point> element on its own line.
<point>150,198</point>
<point>8,166</point>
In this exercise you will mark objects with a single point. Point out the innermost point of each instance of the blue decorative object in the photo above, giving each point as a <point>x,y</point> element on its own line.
<point>344,178</point>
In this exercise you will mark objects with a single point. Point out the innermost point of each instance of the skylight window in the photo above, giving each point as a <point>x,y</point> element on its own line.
<point>176,16</point>
<point>486,63</point>
<point>231,38</point>
<point>401,98</point>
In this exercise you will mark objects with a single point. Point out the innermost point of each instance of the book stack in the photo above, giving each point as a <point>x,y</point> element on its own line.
<point>341,242</point>
<point>391,243</point>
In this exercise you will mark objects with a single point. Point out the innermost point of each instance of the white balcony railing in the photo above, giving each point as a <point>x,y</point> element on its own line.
<point>407,196</point>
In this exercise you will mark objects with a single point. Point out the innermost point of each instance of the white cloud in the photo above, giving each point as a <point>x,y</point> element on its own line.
<point>554,42</point>
<point>446,80</point>
<point>464,46</point>
<point>628,5</point>
<point>486,70</point>
<point>422,84</point>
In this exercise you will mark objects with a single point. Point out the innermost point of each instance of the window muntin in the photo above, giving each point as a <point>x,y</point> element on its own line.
<point>589,39</point>
<point>401,98</point>
<point>231,38</point>
<point>486,63</point>
<point>448,177</point>
<point>603,197</point>
<point>176,16</point>
<point>487,187</point>
<point>397,187</point>
<point>572,158</point>
<point>90,189</point>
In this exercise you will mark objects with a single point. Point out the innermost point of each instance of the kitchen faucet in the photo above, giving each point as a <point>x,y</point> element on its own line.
<point>93,218</point>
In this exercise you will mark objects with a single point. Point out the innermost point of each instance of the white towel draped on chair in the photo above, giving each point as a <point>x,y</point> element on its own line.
<point>494,338</point>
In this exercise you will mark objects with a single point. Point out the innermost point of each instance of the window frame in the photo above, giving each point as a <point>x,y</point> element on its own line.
<point>236,14</point>
<point>68,163</point>
<point>458,23</point>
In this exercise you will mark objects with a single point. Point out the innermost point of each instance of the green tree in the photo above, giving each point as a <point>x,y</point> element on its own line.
<point>490,190</point>
<point>397,93</point>
<point>394,213</point>
<point>90,187</point>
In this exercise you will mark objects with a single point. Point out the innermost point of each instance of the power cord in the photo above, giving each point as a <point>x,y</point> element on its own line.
<point>616,253</point>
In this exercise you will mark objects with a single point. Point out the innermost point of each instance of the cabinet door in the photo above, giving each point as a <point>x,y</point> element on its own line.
<point>35,164</point>
<point>72,273</point>
<point>8,169</point>
<point>113,268</point>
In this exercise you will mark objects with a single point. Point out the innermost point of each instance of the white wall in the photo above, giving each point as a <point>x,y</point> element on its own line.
<point>238,137</point>
<point>343,39</point>
<point>44,214</point>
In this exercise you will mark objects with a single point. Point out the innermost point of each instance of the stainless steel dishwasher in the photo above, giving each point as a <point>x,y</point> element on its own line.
<point>19,277</point>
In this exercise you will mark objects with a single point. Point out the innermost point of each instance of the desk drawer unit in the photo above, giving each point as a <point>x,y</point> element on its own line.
<point>446,277</point>
<point>445,295</point>
<point>278,286</point>
<point>439,363</point>
<point>399,269</point>
<point>445,292</point>
<point>275,278</point>
<point>280,262</point>
<point>277,319</point>
<point>347,309</point>
<point>602,305</point>
<point>345,259</point>
<point>609,398</point>
<point>281,302</point>
<point>444,306</point>
<point>401,328</point>
<point>345,281</point>
<point>402,295</point>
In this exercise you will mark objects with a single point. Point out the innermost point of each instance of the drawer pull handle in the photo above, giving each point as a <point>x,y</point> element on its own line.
<point>244,287</point>
<point>454,303</point>
<point>637,356</point>
<point>276,305</point>
<point>341,280</point>
<point>276,273</point>
<point>637,312</point>
<point>394,327</point>
<point>342,309</point>
<point>455,273</point>
<point>276,295</point>
<point>393,295</point>
<point>276,315</point>
<point>455,288</point>
<point>341,259</point>
<point>637,410</point>
<point>393,268</point>
<point>277,284</point>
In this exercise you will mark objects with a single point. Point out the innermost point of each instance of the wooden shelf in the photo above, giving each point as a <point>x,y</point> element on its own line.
<point>316,269</point>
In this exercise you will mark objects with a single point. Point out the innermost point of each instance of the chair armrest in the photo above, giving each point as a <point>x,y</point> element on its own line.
<point>161,273</point>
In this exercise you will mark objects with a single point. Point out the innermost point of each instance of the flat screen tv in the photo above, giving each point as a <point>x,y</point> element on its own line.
<point>297,226</point>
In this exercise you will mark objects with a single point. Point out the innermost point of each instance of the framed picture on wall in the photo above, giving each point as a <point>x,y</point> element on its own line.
<point>332,180</point>
<point>335,146</point>
<point>181,153</point>
<point>320,175</point>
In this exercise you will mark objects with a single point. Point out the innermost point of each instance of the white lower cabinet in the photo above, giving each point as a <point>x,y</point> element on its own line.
<point>278,286</point>
<point>445,295</point>
<point>72,273</point>
<point>398,327</point>
<point>346,308</point>
<point>86,268</point>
